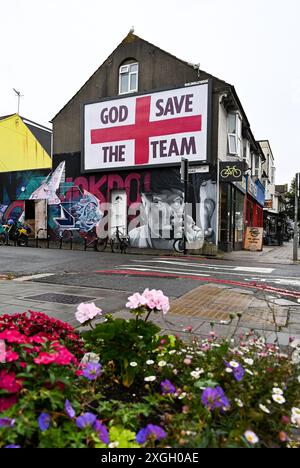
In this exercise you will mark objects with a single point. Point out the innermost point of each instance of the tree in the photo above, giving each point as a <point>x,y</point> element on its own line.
<point>290,196</point>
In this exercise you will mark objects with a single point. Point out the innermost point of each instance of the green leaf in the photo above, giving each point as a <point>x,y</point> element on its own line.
<point>123,437</point>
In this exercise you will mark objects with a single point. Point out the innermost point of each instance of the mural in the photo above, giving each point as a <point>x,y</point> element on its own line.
<point>155,203</point>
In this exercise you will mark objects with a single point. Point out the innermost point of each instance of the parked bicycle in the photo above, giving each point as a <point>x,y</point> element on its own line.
<point>119,242</point>
<point>15,231</point>
<point>3,235</point>
<point>94,242</point>
<point>179,245</point>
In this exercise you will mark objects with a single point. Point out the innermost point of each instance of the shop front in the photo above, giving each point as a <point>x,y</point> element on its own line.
<point>255,200</point>
<point>232,202</point>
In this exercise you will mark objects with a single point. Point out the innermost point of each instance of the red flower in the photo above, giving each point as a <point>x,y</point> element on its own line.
<point>13,336</point>
<point>45,358</point>
<point>9,383</point>
<point>11,356</point>
<point>7,402</point>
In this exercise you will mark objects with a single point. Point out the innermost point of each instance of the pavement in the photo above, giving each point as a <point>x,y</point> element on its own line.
<point>233,293</point>
<point>269,254</point>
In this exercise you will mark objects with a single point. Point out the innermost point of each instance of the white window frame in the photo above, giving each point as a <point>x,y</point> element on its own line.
<point>125,69</point>
<point>237,135</point>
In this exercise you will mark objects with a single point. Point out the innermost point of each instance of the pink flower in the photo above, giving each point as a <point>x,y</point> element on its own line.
<point>283,436</point>
<point>9,383</point>
<point>157,300</point>
<point>11,356</point>
<point>135,301</point>
<point>7,402</point>
<point>87,312</point>
<point>153,300</point>
<point>187,361</point>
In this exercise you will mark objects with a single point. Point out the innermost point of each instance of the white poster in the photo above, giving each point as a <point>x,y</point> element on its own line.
<point>152,129</point>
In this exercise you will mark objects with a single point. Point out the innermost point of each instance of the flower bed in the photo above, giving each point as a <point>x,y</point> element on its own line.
<point>121,384</point>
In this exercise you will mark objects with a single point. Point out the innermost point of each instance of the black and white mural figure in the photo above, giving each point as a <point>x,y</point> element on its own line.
<point>207,209</point>
<point>162,216</point>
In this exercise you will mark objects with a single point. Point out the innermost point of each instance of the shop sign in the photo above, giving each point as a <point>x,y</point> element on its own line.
<point>252,188</point>
<point>269,204</point>
<point>253,238</point>
<point>199,170</point>
<point>152,129</point>
<point>231,171</point>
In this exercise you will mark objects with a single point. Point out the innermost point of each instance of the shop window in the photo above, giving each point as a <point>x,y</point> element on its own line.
<point>235,135</point>
<point>239,217</point>
<point>128,77</point>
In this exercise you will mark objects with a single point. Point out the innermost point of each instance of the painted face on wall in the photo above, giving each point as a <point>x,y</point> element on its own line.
<point>163,212</point>
<point>208,197</point>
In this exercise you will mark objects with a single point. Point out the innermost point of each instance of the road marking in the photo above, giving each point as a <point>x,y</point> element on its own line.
<point>283,281</point>
<point>159,274</point>
<point>198,269</point>
<point>28,278</point>
<point>254,269</point>
<point>212,267</point>
<point>194,265</point>
<point>158,270</point>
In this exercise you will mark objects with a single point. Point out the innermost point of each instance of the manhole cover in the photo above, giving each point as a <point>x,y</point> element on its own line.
<point>60,298</point>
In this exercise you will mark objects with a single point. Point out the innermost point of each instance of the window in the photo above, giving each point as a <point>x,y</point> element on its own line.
<point>235,135</point>
<point>128,78</point>
<point>246,152</point>
<point>257,166</point>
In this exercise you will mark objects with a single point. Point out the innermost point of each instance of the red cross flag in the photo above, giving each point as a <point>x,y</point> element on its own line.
<point>148,130</point>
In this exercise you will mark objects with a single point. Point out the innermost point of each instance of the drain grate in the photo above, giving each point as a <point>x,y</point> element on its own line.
<point>60,298</point>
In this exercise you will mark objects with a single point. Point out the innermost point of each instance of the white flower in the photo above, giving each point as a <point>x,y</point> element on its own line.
<point>295,344</point>
<point>140,337</point>
<point>264,409</point>
<point>249,371</point>
<point>278,399</point>
<point>162,363</point>
<point>151,378</point>
<point>296,412</point>
<point>181,396</point>
<point>296,416</point>
<point>87,312</point>
<point>234,364</point>
<point>196,374</point>
<point>228,370</point>
<point>90,357</point>
<point>298,378</point>
<point>114,444</point>
<point>239,402</point>
<point>295,420</point>
<point>249,361</point>
<point>296,356</point>
<point>173,351</point>
<point>251,437</point>
<point>149,362</point>
<point>133,364</point>
<point>277,391</point>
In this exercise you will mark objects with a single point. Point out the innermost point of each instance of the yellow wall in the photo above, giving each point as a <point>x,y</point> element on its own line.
<point>19,149</point>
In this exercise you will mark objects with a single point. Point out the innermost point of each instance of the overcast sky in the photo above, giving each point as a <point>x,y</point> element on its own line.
<point>49,48</point>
